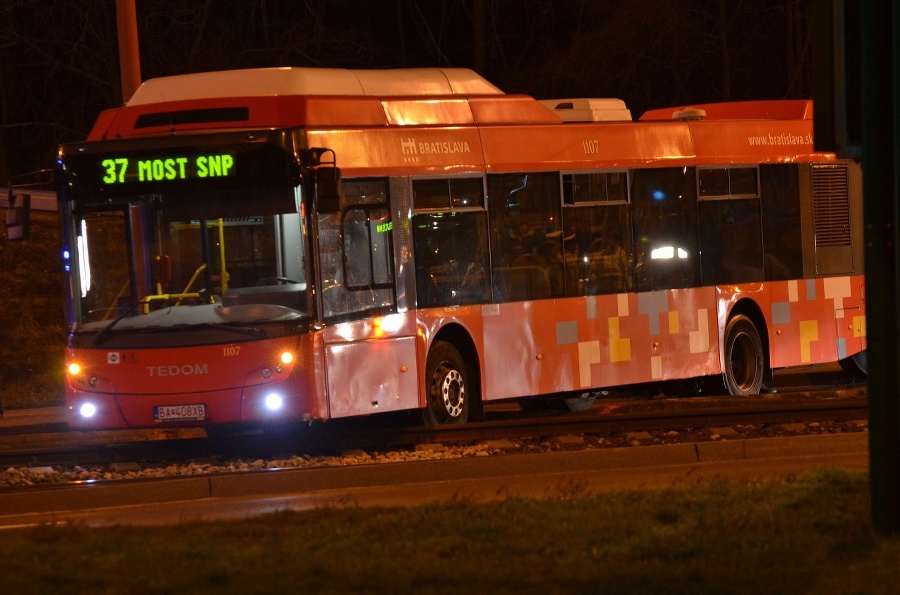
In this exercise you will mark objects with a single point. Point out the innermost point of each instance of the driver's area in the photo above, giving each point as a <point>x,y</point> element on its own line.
<point>233,261</point>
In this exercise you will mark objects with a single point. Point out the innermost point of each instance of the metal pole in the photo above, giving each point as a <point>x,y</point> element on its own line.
<point>129,54</point>
<point>881,149</point>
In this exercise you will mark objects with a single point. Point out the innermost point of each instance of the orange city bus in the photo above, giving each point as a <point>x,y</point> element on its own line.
<point>309,244</point>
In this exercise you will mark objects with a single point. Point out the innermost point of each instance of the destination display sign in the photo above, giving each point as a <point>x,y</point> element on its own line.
<point>122,170</point>
<point>244,174</point>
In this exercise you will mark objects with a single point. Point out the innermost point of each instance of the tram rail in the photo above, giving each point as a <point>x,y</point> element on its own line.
<point>689,418</point>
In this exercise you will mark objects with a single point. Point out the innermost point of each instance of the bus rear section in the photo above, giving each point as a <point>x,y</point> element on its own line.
<point>597,278</point>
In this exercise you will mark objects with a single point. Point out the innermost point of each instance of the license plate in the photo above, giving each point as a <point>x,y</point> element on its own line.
<point>179,412</point>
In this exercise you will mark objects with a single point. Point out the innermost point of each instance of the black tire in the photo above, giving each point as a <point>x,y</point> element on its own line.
<point>533,404</point>
<point>580,402</point>
<point>745,365</point>
<point>857,364</point>
<point>449,387</point>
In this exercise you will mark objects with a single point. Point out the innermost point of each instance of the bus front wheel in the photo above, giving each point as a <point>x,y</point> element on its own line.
<point>745,363</point>
<point>448,386</point>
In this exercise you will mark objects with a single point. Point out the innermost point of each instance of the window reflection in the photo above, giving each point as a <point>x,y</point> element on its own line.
<point>780,200</point>
<point>451,258</point>
<point>526,230</point>
<point>104,272</point>
<point>450,236</point>
<point>597,235</point>
<point>355,251</point>
<point>665,217</point>
<point>730,230</point>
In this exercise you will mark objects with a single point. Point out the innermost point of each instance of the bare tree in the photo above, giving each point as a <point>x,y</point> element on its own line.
<point>56,79</point>
<point>654,53</point>
<point>59,60</point>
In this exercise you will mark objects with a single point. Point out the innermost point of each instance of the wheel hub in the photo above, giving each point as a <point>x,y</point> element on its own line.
<point>453,392</point>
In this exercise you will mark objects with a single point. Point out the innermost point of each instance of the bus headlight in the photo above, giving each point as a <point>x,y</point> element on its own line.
<point>274,402</point>
<point>87,410</point>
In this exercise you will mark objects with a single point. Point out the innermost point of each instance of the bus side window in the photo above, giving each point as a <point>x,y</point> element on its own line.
<point>780,202</point>
<point>526,231</point>
<point>597,233</point>
<point>450,237</point>
<point>730,228</point>
<point>664,213</point>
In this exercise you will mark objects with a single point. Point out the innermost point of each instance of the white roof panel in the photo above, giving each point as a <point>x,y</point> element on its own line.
<point>313,81</point>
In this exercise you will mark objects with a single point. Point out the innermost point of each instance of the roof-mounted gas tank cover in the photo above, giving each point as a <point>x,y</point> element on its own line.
<point>689,113</point>
<point>409,82</point>
<point>773,109</point>
<point>589,110</point>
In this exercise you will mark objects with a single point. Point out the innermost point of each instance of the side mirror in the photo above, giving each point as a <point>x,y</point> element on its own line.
<point>18,217</point>
<point>328,189</point>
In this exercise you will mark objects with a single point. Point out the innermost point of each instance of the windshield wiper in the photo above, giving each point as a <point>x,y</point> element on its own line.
<point>103,333</point>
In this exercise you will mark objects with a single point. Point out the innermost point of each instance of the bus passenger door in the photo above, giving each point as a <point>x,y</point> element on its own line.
<point>370,349</point>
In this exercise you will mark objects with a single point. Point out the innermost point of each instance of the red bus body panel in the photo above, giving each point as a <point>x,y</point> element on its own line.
<point>226,378</point>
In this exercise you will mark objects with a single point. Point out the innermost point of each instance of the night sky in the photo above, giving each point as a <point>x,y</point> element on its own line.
<point>59,59</point>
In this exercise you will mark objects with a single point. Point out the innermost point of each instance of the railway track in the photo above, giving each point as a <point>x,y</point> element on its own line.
<point>611,421</point>
<point>680,414</point>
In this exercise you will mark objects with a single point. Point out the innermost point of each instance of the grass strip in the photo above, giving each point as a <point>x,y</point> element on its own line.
<point>809,534</point>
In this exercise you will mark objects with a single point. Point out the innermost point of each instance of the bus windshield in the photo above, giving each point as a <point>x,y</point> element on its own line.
<point>134,264</point>
<point>183,257</point>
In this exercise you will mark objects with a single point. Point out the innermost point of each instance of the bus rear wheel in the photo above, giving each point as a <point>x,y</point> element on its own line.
<point>745,363</point>
<point>857,364</point>
<point>448,386</point>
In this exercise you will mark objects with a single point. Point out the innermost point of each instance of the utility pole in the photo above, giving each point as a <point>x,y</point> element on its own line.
<point>857,105</point>
<point>129,54</point>
<point>479,47</point>
<point>880,53</point>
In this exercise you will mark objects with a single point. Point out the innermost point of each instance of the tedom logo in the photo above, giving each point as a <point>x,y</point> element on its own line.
<point>182,370</point>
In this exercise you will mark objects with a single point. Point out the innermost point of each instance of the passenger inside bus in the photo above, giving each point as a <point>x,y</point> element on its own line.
<point>473,280</point>
<point>609,264</point>
<point>551,257</point>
